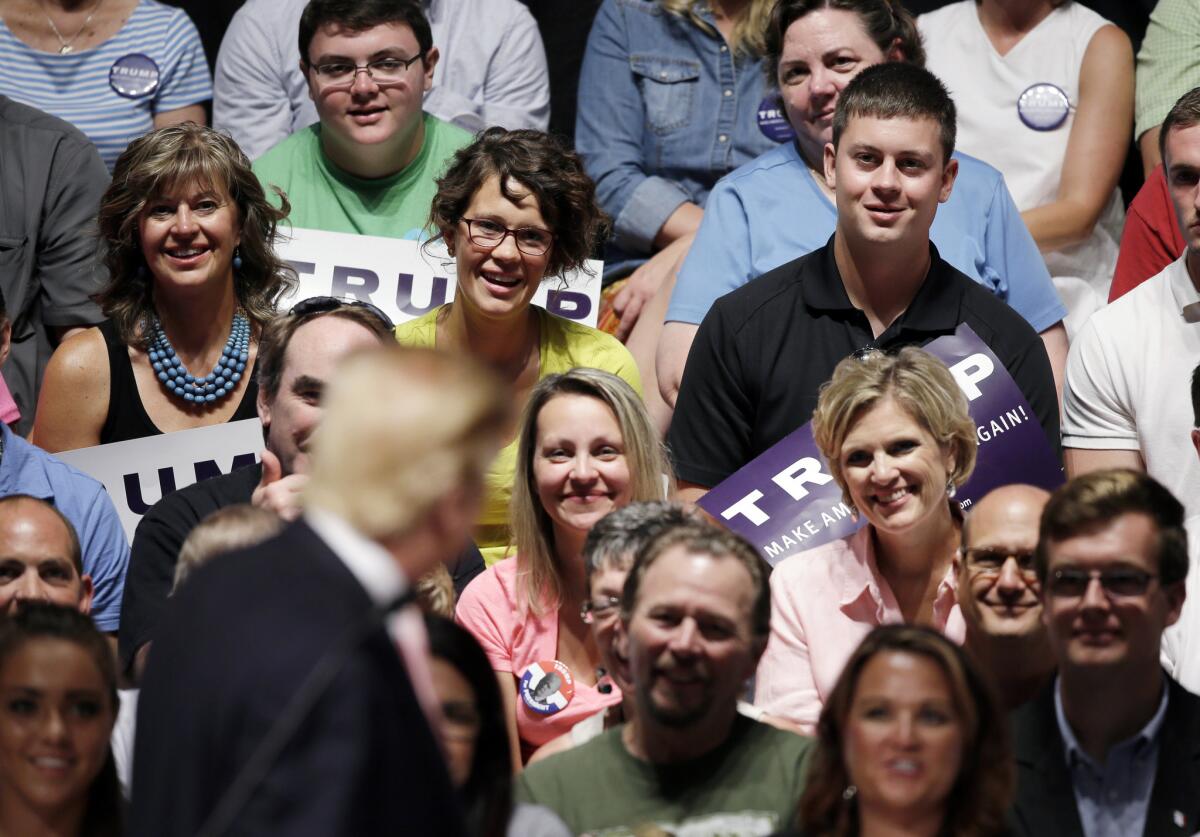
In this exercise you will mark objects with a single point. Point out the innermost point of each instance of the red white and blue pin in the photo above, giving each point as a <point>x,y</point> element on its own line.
<point>547,687</point>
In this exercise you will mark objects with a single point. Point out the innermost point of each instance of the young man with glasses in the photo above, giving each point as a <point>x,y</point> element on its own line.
<point>1112,747</point>
<point>368,166</point>
<point>999,594</point>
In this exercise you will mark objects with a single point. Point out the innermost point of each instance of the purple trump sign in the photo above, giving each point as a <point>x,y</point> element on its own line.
<point>786,501</point>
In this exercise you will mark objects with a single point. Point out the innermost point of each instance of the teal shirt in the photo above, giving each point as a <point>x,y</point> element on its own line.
<point>323,197</point>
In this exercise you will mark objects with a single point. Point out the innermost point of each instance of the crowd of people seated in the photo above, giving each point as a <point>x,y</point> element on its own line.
<point>858,494</point>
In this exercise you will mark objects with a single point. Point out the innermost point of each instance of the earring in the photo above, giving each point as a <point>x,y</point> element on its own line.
<point>237,258</point>
<point>951,490</point>
<point>849,792</point>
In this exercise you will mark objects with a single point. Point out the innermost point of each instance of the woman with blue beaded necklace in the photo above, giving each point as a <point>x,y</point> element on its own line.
<point>188,237</point>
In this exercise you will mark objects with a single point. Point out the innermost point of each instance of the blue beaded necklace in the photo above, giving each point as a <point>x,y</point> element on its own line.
<point>209,388</point>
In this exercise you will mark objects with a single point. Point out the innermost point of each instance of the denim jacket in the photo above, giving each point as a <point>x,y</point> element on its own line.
<point>665,110</point>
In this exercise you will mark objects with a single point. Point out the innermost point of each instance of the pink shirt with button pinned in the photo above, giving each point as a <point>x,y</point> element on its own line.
<point>824,601</point>
<point>491,608</point>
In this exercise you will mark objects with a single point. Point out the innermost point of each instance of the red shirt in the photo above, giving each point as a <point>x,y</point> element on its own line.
<point>1151,240</point>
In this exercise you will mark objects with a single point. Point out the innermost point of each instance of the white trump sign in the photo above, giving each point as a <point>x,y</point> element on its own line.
<point>140,472</point>
<point>406,280</point>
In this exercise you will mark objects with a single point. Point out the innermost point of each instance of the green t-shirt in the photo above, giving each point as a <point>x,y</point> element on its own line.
<point>323,197</point>
<point>749,786</point>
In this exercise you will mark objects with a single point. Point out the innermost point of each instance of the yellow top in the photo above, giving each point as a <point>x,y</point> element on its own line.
<point>564,345</point>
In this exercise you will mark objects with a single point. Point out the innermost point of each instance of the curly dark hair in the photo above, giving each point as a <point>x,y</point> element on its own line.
<point>978,802</point>
<point>551,172</point>
<point>153,165</point>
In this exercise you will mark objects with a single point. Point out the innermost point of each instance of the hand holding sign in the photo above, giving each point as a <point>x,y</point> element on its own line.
<point>277,493</point>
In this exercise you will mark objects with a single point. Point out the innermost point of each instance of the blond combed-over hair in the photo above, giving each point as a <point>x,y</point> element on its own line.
<point>403,427</point>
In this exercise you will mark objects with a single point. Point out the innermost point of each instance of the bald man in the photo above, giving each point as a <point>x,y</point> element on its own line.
<point>999,594</point>
<point>40,556</point>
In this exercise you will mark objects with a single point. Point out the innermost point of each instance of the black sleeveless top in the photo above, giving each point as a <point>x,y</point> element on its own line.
<point>127,417</point>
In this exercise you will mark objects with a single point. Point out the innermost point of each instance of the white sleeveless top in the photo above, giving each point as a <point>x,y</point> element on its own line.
<point>986,86</point>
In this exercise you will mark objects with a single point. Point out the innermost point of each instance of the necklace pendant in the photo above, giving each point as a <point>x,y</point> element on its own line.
<point>65,49</point>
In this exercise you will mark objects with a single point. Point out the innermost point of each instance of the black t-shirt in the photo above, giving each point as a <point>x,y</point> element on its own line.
<point>165,527</point>
<point>764,350</point>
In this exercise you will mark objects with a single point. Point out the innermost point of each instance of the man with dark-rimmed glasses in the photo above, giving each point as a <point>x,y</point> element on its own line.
<point>368,166</point>
<point>999,593</point>
<point>1112,746</point>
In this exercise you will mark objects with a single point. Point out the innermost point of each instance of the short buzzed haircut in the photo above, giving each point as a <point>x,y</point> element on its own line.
<point>705,539</point>
<point>896,90</point>
<point>239,526</point>
<point>76,556</point>
<point>1183,114</point>
<point>618,536</point>
<point>361,15</point>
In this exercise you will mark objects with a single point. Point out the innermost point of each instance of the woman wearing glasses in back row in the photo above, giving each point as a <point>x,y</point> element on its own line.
<point>514,208</point>
<point>899,441</point>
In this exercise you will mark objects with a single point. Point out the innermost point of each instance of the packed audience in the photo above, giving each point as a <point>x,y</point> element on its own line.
<point>861,497</point>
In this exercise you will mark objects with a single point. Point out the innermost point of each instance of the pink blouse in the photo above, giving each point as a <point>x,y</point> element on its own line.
<point>491,609</point>
<point>824,601</point>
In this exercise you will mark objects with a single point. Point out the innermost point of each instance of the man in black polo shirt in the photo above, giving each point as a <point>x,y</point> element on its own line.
<point>763,351</point>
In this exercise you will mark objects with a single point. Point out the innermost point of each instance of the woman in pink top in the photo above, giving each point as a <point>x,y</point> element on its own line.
<point>586,446</point>
<point>899,441</point>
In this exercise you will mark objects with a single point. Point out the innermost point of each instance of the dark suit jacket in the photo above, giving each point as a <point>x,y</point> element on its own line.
<point>1045,804</point>
<point>242,636</point>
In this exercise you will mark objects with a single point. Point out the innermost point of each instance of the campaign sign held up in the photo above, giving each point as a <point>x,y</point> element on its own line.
<point>786,501</point>
<point>140,472</point>
<point>405,279</point>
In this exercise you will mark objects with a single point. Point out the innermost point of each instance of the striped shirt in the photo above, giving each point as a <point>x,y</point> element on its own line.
<point>76,87</point>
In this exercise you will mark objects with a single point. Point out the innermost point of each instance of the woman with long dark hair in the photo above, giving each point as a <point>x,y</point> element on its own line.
<point>912,742</point>
<point>58,705</point>
<point>475,737</point>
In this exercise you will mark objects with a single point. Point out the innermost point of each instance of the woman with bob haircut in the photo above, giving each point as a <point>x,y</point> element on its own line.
<point>899,442</point>
<point>585,447</point>
<point>58,698</point>
<point>909,693</point>
<point>514,208</point>
<point>188,240</point>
